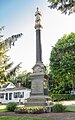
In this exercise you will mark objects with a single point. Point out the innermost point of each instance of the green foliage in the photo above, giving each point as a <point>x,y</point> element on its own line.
<point>25,79</point>
<point>65,6</point>
<point>11,106</point>
<point>58,108</point>
<point>62,97</point>
<point>5,63</point>
<point>62,65</point>
<point>32,110</point>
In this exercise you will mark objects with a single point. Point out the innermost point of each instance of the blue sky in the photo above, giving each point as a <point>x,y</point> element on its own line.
<point>11,10</point>
<point>19,16</point>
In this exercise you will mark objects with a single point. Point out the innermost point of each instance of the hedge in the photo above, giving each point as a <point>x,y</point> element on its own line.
<point>62,97</point>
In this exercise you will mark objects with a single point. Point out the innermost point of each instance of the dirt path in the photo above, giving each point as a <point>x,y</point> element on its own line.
<point>55,116</point>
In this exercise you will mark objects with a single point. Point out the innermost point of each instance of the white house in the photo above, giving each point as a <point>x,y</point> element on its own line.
<point>10,93</point>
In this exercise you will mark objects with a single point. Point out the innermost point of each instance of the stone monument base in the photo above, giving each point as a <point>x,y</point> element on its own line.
<point>39,93</point>
<point>37,100</point>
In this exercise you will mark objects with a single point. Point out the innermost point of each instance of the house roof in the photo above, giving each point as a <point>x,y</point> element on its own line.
<point>15,89</point>
<point>8,85</point>
<point>5,85</point>
<point>11,87</point>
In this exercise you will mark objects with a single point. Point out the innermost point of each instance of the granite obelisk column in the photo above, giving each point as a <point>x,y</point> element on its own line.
<point>39,66</point>
<point>38,36</point>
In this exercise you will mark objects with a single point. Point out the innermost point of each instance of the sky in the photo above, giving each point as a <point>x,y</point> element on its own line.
<point>18,16</point>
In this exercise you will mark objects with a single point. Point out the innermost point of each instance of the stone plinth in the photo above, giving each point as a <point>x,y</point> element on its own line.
<point>37,86</point>
<point>37,97</point>
<point>37,100</point>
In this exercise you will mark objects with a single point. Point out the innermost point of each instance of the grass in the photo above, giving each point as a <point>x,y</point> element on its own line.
<point>70,109</point>
<point>20,118</point>
<point>2,108</point>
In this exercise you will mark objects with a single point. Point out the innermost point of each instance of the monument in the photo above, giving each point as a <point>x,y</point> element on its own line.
<point>38,96</point>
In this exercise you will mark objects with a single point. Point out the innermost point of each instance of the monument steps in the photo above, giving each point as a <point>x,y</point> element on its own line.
<point>29,104</point>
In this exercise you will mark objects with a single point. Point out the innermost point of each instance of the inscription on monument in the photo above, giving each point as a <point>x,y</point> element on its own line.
<point>37,87</point>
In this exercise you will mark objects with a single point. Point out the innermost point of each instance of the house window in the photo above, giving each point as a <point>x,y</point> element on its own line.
<point>10,96</point>
<point>21,94</point>
<point>18,94</point>
<point>6,96</point>
<point>1,95</point>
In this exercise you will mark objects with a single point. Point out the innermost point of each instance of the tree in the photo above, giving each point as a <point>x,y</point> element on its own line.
<point>24,78</point>
<point>5,45</point>
<point>65,6</point>
<point>62,64</point>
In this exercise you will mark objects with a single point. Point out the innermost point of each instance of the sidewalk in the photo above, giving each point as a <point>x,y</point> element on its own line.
<point>72,103</point>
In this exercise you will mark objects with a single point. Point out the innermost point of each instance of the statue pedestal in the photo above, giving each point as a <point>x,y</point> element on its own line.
<point>37,86</point>
<point>37,98</point>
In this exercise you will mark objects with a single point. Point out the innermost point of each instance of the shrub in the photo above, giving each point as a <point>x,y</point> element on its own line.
<point>11,106</point>
<point>58,108</point>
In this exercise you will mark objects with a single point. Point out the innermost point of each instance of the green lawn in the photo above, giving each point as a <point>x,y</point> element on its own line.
<point>2,108</point>
<point>70,108</point>
<point>20,118</point>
